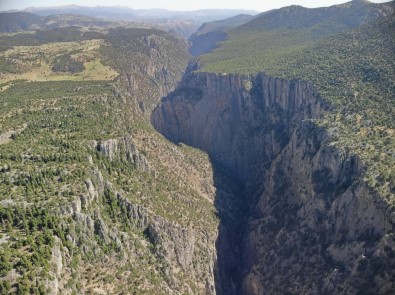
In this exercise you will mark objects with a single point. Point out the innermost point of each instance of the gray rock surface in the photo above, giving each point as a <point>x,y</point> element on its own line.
<point>312,226</point>
<point>124,149</point>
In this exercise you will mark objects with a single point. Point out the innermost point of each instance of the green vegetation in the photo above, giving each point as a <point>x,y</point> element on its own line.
<point>65,63</point>
<point>55,61</point>
<point>352,69</point>
<point>49,132</point>
<point>44,168</point>
<point>223,25</point>
<point>65,34</point>
<point>131,49</point>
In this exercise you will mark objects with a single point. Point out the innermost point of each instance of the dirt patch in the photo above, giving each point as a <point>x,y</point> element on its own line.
<point>6,137</point>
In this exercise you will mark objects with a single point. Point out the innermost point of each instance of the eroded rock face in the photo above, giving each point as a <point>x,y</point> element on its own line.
<point>241,121</point>
<point>316,228</point>
<point>124,148</point>
<point>312,224</point>
<point>184,253</point>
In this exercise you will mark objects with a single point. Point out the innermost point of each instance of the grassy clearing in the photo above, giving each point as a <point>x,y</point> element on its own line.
<point>34,63</point>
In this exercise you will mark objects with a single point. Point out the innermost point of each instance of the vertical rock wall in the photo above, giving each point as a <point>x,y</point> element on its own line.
<point>312,224</point>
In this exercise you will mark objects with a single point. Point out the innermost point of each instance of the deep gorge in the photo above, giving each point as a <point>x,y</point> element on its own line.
<point>304,220</point>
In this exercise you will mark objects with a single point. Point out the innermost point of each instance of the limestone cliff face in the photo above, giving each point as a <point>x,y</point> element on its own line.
<point>185,254</point>
<point>241,121</point>
<point>316,228</point>
<point>125,148</point>
<point>312,225</point>
<point>152,69</point>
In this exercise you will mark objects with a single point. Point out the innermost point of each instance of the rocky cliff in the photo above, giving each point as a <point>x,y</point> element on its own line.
<point>311,224</point>
<point>107,219</point>
<point>243,122</point>
<point>151,62</point>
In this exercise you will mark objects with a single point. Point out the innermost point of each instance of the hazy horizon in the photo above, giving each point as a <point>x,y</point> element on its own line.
<point>174,5</point>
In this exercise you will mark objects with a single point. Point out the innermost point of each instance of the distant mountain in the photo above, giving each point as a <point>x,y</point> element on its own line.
<point>343,16</point>
<point>128,14</point>
<point>20,21</point>
<point>258,44</point>
<point>12,22</point>
<point>183,28</point>
<point>63,20</point>
<point>225,24</point>
<point>184,23</point>
<point>114,13</point>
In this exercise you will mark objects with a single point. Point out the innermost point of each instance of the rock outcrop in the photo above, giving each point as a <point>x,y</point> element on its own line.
<point>124,149</point>
<point>152,68</point>
<point>184,254</point>
<point>312,225</point>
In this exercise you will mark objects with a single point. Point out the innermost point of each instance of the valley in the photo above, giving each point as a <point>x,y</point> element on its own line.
<point>257,157</point>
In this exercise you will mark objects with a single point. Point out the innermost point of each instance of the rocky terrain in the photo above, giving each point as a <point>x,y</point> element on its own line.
<point>241,171</point>
<point>92,199</point>
<point>312,223</point>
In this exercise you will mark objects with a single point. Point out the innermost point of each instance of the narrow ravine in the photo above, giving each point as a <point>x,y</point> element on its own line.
<point>303,220</point>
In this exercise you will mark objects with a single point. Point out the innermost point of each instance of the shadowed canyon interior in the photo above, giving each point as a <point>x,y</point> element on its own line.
<point>306,211</point>
<point>254,156</point>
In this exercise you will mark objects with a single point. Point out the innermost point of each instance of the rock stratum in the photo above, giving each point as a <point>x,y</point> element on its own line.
<point>287,187</point>
<point>312,225</point>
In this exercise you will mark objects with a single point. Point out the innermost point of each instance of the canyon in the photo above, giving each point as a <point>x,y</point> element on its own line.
<point>309,224</point>
<point>257,157</point>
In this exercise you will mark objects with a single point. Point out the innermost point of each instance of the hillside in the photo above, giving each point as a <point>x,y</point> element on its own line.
<point>351,69</point>
<point>297,105</point>
<point>330,19</point>
<point>20,21</point>
<point>92,199</point>
<point>209,34</point>
<point>251,47</point>
<point>265,165</point>
<point>12,22</point>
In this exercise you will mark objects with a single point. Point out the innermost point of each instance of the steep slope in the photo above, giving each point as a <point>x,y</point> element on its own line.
<point>356,77</point>
<point>340,17</point>
<point>150,65</point>
<point>231,127</point>
<point>320,201</point>
<point>209,34</point>
<point>277,35</point>
<point>309,205</point>
<point>92,199</point>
